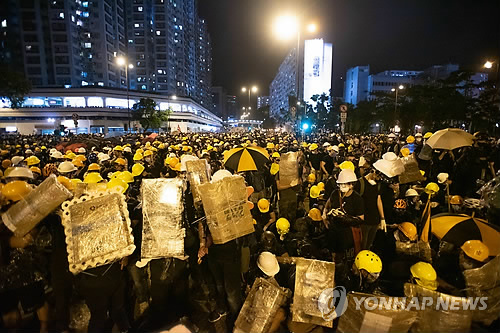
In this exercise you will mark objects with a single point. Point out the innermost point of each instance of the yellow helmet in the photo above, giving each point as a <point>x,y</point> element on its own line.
<point>36,170</point>
<point>177,167</point>
<point>275,155</point>
<point>94,167</point>
<point>427,135</point>
<point>117,182</point>
<point>405,152</point>
<point>139,151</point>
<point>263,205</point>
<point>425,275</point>
<point>137,143</point>
<point>275,168</point>
<point>476,250</point>
<point>431,188</point>
<point>368,261</point>
<point>32,160</point>
<point>93,178</point>
<point>118,148</point>
<point>137,156</point>
<point>315,214</point>
<point>270,145</point>
<point>410,139</point>
<point>346,165</point>
<point>409,230</point>
<point>321,186</point>
<point>148,153</point>
<point>304,144</point>
<point>341,145</point>
<point>311,178</point>
<point>77,163</point>
<point>314,146</point>
<point>283,226</point>
<point>16,190</point>
<point>121,161</point>
<point>126,176</point>
<point>70,155</point>
<point>173,162</point>
<point>66,182</point>
<point>314,192</point>
<point>75,181</point>
<point>137,169</point>
<point>456,200</point>
<point>80,158</point>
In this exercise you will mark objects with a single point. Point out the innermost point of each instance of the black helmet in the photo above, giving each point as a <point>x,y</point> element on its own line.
<point>93,158</point>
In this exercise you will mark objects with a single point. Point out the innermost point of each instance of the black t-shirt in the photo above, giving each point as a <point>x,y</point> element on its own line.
<point>329,165</point>
<point>315,160</point>
<point>370,195</point>
<point>353,205</point>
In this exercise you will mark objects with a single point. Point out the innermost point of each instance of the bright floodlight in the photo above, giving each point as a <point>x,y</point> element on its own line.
<point>393,89</point>
<point>244,89</point>
<point>311,27</point>
<point>254,89</point>
<point>249,108</point>
<point>174,97</point>
<point>130,66</point>
<point>488,64</point>
<point>120,61</point>
<point>286,26</point>
<point>305,126</point>
<point>401,86</point>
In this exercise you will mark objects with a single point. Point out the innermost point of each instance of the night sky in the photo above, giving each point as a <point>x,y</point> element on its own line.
<point>386,34</point>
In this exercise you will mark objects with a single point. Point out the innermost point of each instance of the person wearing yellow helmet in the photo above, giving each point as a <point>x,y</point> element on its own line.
<point>93,178</point>
<point>423,274</point>
<point>364,273</point>
<point>120,164</point>
<point>264,215</point>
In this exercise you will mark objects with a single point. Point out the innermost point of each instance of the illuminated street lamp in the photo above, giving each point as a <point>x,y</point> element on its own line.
<point>400,87</point>
<point>251,90</point>
<point>285,27</point>
<point>488,64</point>
<point>122,62</point>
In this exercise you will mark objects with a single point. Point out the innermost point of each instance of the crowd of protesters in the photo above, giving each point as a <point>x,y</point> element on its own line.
<point>348,206</point>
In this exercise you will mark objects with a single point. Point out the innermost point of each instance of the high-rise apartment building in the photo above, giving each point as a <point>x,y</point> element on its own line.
<point>75,43</point>
<point>263,101</point>
<point>356,84</point>
<point>314,66</point>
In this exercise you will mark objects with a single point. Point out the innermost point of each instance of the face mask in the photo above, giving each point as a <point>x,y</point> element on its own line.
<point>344,188</point>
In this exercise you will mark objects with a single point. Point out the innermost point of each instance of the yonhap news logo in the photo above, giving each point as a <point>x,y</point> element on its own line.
<point>332,302</point>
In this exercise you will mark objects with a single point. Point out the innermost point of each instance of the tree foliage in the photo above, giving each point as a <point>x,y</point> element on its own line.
<point>148,114</point>
<point>14,87</point>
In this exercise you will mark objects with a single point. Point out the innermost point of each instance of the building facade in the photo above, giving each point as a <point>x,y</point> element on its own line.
<point>68,43</point>
<point>387,80</point>
<point>314,67</point>
<point>219,102</point>
<point>100,110</point>
<point>356,84</point>
<point>263,101</point>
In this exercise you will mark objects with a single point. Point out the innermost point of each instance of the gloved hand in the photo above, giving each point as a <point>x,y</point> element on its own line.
<point>382,225</point>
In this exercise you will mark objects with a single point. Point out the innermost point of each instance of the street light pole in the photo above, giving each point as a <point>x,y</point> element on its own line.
<point>400,87</point>
<point>128,98</point>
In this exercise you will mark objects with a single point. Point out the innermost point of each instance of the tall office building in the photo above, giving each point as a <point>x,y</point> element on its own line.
<point>387,80</point>
<point>356,84</point>
<point>262,101</point>
<point>75,43</point>
<point>219,101</point>
<point>314,67</point>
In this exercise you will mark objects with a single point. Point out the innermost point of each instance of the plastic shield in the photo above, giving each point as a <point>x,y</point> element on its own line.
<point>260,307</point>
<point>421,250</point>
<point>312,277</point>
<point>28,212</point>
<point>197,172</point>
<point>485,282</point>
<point>97,230</point>
<point>226,209</point>
<point>289,168</point>
<point>446,314</point>
<point>162,210</point>
<point>376,314</point>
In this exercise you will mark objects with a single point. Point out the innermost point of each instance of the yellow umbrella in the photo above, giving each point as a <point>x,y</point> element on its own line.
<point>248,158</point>
<point>459,228</point>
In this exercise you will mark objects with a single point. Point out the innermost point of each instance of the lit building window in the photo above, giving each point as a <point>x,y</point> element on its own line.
<point>85,14</point>
<point>100,84</point>
<point>28,47</point>
<point>85,83</point>
<point>88,45</point>
<point>4,24</point>
<point>136,25</point>
<point>72,18</point>
<point>158,32</point>
<point>61,15</point>
<point>143,87</point>
<point>140,9</point>
<point>85,4</point>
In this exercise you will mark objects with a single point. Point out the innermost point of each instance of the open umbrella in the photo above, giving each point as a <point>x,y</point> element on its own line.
<point>450,138</point>
<point>246,158</point>
<point>459,228</point>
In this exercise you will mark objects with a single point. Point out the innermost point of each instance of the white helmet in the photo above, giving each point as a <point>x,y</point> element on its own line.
<point>127,149</point>
<point>52,150</point>
<point>220,174</point>
<point>57,154</point>
<point>268,264</point>
<point>411,193</point>
<point>442,177</point>
<point>103,157</point>
<point>81,150</point>
<point>20,172</point>
<point>66,167</point>
<point>326,144</point>
<point>346,176</point>
<point>16,160</point>
<point>28,151</point>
